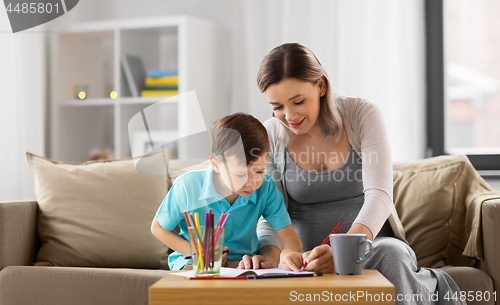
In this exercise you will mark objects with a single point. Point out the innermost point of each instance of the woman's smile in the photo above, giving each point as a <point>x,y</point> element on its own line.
<point>298,124</point>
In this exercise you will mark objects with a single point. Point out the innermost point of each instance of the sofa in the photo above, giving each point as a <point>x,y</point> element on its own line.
<point>87,240</point>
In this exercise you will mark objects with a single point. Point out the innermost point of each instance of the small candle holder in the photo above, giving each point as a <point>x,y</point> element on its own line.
<point>81,91</point>
<point>110,92</point>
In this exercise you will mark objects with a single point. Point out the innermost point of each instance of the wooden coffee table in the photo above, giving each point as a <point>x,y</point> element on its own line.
<point>368,288</point>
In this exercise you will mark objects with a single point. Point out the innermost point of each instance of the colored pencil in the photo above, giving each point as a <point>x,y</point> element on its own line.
<point>187,218</point>
<point>223,225</point>
<point>277,276</point>
<point>189,225</point>
<point>197,245</point>
<point>326,240</point>
<point>225,219</point>
<point>219,226</point>
<point>197,221</point>
<point>256,277</point>
<point>205,239</point>
<point>212,237</point>
<point>193,229</point>
<point>217,278</point>
<point>333,232</point>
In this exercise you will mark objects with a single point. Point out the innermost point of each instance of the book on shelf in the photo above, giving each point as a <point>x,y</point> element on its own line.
<point>155,73</point>
<point>134,72</point>
<point>162,81</point>
<point>148,93</point>
<point>171,87</point>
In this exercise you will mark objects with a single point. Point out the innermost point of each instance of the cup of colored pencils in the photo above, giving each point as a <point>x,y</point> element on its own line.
<point>206,243</point>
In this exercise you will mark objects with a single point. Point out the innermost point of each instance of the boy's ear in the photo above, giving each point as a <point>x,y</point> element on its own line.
<point>215,164</point>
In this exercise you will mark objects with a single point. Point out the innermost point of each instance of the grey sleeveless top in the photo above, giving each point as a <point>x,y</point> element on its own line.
<point>318,201</point>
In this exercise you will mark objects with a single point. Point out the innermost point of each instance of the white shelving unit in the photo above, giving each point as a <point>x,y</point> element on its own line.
<point>90,54</point>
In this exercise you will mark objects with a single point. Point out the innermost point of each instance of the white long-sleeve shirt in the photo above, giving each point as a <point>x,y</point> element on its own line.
<point>365,128</point>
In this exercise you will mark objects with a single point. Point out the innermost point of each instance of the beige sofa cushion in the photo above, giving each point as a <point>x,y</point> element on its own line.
<point>97,214</point>
<point>180,167</point>
<point>433,200</point>
<point>76,286</point>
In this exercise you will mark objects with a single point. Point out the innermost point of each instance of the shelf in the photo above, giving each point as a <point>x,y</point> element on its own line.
<point>89,102</point>
<point>152,22</point>
<point>122,101</point>
<point>147,100</point>
<point>90,55</point>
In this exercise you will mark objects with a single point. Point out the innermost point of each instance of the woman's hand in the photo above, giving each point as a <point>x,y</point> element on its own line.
<point>290,260</point>
<point>319,259</point>
<point>254,262</point>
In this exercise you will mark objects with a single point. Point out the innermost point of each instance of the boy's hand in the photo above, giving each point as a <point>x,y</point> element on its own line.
<point>254,262</point>
<point>224,257</point>
<point>291,260</point>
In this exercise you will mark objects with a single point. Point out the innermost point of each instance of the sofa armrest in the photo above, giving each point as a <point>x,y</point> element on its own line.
<point>490,217</point>
<point>17,233</point>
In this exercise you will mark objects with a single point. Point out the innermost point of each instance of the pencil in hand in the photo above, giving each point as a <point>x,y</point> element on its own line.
<point>325,241</point>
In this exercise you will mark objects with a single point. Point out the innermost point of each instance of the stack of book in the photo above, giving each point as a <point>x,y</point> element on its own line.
<point>160,83</point>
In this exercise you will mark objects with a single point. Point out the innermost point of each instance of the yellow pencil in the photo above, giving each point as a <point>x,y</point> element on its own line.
<point>199,241</point>
<point>197,220</point>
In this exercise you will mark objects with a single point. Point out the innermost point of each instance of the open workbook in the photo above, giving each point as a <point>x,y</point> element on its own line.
<point>252,273</point>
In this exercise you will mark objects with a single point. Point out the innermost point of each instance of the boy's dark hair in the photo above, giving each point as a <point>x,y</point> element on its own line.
<point>226,133</point>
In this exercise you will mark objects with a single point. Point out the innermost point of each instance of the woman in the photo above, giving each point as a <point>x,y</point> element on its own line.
<point>331,159</point>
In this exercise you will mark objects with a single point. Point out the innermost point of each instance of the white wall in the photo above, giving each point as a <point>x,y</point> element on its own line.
<point>22,107</point>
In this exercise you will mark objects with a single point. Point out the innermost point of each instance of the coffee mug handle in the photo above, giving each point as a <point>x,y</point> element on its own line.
<point>370,250</point>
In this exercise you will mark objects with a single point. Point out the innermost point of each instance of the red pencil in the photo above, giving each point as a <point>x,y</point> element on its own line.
<point>326,240</point>
<point>217,278</point>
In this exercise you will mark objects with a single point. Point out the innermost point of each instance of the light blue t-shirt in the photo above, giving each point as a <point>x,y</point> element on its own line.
<point>195,192</point>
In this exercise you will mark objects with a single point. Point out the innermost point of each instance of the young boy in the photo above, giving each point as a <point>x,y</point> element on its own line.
<point>235,183</point>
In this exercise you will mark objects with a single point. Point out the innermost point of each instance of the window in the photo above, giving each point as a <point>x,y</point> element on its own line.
<point>463,80</point>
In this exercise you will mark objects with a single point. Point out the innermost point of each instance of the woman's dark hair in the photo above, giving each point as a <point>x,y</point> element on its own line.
<point>293,60</point>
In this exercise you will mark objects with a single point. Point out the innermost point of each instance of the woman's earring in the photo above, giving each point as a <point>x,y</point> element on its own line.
<point>322,93</point>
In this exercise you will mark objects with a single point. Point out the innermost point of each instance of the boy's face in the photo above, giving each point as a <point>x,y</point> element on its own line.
<point>238,177</point>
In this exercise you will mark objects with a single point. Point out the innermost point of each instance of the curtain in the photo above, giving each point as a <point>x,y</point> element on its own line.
<point>370,49</point>
<point>22,109</point>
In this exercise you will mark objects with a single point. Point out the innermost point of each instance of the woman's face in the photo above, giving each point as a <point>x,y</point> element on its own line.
<point>296,103</point>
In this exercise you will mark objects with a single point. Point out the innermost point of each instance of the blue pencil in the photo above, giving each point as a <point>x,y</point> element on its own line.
<point>276,276</point>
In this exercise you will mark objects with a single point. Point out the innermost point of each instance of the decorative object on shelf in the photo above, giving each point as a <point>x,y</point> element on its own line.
<point>161,83</point>
<point>110,91</point>
<point>134,72</point>
<point>81,91</point>
<point>101,154</point>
